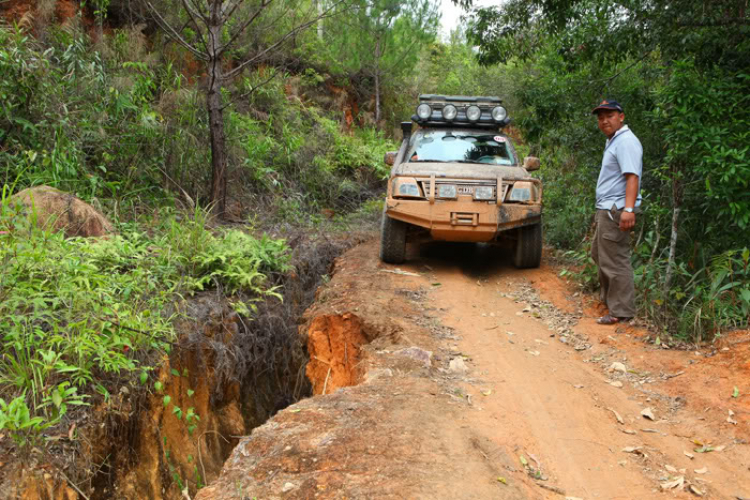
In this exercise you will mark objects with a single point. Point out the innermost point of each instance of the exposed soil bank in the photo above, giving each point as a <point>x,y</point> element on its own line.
<point>334,343</point>
<point>226,376</point>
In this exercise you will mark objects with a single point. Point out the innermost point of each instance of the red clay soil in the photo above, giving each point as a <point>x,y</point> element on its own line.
<point>529,417</point>
<point>334,344</point>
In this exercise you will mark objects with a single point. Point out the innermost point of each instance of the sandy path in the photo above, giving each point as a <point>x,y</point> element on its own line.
<point>548,401</point>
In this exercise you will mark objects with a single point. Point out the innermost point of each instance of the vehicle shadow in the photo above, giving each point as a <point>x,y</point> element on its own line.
<point>475,260</point>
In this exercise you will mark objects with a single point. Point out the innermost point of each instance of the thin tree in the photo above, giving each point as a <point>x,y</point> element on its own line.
<point>255,29</point>
<point>383,38</point>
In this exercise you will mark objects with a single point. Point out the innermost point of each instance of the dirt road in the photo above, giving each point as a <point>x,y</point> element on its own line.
<point>475,380</point>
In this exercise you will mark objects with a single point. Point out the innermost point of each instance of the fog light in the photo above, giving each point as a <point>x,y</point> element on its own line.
<point>499,113</point>
<point>449,112</point>
<point>484,193</point>
<point>446,191</point>
<point>473,113</point>
<point>424,111</point>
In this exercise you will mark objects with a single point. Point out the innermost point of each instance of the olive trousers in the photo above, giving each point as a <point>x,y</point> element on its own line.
<point>610,250</point>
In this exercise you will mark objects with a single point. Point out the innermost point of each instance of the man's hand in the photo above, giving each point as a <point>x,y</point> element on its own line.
<point>627,221</point>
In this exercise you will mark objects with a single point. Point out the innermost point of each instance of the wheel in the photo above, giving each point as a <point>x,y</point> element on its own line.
<point>392,240</point>
<point>528,251</point>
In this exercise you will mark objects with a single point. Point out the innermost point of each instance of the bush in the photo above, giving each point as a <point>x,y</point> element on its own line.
<point>77,316</point>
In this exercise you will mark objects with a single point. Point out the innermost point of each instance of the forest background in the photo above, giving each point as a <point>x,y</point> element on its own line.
<point>279,112</point>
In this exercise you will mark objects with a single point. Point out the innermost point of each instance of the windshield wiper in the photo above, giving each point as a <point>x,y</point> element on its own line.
<point>428,161</point>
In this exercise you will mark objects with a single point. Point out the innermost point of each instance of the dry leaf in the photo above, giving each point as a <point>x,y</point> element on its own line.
<point>617,416</point>
<point>630,432</point>
<point>695,491</point>
<point>701,471</point>
<point>648,413</point>
<point>670,485</point>
<point>730,419</point>
<point>617,367</point>
<point>670,468</point>
<point>534,353</point>
<point>689,455</point>
<point>487,392</point>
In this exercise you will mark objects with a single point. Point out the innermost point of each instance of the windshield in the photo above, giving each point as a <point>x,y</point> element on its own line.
<point>463,147</point>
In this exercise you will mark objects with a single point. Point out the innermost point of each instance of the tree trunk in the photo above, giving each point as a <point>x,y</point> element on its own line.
<point>216,114</point>
<point>377,81</point>
<point>319,5</point>
<point>672,250</point>
<point>677,203</point>
<point>218,149</point>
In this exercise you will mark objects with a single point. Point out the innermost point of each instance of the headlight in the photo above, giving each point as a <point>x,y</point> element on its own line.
<point>449,112</point>
<point>499,113</point>
<point>521,191</point>
<point>484,193</point>
<point>406,187</point>
<point>473,113</point>
<point>446,191</point>
<point>424,111</point>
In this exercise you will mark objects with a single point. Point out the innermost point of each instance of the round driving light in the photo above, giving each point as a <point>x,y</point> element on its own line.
<point>424,111</point>
<point>449,112</point>
<point>499,113</point>
<point>473,113</point>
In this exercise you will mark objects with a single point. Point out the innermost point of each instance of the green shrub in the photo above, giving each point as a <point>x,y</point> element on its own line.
<point>78,315</point>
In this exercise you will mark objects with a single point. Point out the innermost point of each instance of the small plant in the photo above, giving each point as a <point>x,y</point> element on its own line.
<point>16,418</point>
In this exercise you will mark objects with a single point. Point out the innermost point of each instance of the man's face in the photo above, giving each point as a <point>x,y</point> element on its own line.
<point>610,121</point>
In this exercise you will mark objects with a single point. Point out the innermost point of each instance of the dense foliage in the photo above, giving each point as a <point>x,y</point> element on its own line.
<point>681,69</point>
<point>80,318</point>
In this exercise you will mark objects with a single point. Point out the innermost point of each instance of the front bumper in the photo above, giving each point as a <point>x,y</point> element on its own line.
<point>464,219</point>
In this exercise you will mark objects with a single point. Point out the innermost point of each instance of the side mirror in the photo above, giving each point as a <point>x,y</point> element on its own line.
<point>390,158</point>
<point>531,163</point>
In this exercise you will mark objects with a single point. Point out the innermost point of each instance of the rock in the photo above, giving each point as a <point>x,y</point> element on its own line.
<point>415,353</point>
<point>457,365</point>
<point>616,383</point>
<point>374,375</point>
<point>288,487</point>
<point>617,367</point>
<point>62,212</point>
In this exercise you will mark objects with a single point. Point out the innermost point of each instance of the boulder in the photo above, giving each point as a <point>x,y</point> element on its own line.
<point>62,212</point>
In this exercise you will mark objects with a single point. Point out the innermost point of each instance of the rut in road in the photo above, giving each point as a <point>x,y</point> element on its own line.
<point>528,416</point>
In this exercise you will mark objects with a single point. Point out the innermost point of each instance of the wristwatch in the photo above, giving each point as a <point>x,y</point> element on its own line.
<point>628,210</point>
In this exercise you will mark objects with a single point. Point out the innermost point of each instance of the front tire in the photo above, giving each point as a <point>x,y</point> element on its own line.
<point>392,240</point>
<point>528,251</point>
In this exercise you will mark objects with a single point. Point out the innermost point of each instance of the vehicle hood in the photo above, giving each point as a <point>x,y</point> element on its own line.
<point>459,170</point>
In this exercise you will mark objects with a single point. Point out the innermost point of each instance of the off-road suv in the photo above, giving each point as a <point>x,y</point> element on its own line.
<point>457,178</point>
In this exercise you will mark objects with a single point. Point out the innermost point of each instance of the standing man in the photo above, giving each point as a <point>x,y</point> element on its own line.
<point>618,197</point>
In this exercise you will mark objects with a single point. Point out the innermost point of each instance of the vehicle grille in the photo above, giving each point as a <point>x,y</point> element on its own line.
<point>464,187</point>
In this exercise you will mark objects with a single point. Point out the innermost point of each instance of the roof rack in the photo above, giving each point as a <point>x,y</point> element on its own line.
<point>459,99</point>
<point>480,111</point>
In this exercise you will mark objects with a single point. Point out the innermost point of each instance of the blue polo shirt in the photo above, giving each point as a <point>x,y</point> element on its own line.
<point>623,154</point>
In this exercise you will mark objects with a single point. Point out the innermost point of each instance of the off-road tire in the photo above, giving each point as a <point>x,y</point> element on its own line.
<point>528,251</point>
<point>392,240</point>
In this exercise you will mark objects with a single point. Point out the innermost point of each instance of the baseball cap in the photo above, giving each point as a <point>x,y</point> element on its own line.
<point>608,104</point>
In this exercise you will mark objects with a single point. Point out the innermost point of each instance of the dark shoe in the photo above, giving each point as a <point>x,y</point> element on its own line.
<point>611,320</point>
